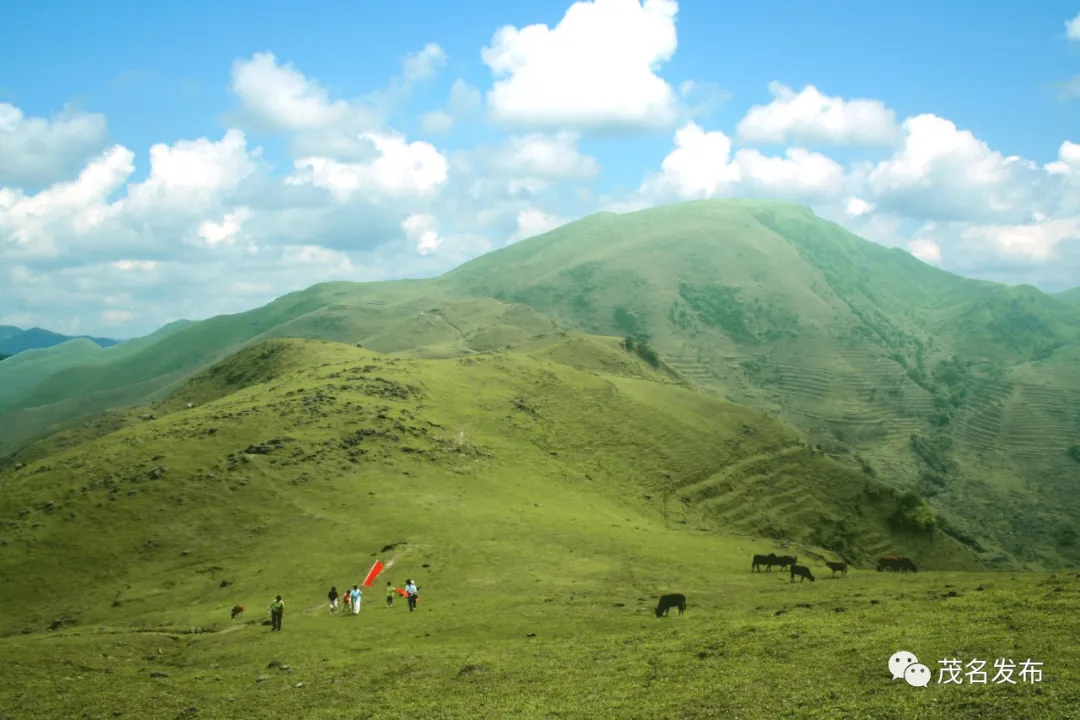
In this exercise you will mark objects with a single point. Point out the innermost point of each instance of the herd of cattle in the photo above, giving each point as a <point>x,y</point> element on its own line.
<point>891,563</point>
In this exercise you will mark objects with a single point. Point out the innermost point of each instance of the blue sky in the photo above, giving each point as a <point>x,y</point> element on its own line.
<point>272,99</point>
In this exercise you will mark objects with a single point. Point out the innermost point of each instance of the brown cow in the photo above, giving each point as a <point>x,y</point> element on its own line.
<point>237,611</point>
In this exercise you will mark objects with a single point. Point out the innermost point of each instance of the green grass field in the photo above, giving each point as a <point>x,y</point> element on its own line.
<point>541,498</point>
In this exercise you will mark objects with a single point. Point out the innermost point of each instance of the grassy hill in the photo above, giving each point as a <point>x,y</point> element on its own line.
<point>15,340</point>
<point>963,392</point>
<point>541,497</point>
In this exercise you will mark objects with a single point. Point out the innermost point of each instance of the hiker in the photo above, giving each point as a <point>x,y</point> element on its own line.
<point>389,594</point>
<point>276,610</point>
<point>357,596</point>
<point>411,592</point>
<point>333,596</point>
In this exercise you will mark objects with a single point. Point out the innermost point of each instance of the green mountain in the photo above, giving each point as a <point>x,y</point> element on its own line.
<point>1072,296</point>
<point>16,340</point>
<point>962,392</point>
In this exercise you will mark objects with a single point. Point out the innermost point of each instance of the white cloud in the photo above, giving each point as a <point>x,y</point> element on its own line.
<point>1072,28</point>
<point>926,250</point>
<point>810,116</point>
<point>857,206</point>
<point>29,224</point>
<point>38,151</point>
<point>702,166</point>
<point>215,233</point>
<point>193,173</point>
<point>401,169</point>
<point>1068,162</point>
<point>1032,241</point>
<point>532,222</point>
<point>281,96</point>
<point>799,174</point>
<point>943,173</point>
<point>546,156</point>
<point>424,64</point>
<point>699,167</point>
<point>420,229</point>
<point>596,68</point>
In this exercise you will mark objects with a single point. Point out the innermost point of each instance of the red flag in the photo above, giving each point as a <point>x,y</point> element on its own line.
<point>373,573</point>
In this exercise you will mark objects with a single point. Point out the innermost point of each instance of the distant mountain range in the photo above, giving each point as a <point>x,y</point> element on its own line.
<point>14,340</point>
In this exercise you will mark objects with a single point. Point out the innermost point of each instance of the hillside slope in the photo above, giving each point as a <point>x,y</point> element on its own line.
<point>963,390</point>
<point>58,387</point>
<point>284,436</point>
<point>15,340</point>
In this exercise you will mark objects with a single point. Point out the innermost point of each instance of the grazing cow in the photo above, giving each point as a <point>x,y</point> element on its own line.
<point>896,564</point>
<point>837,567</point>
<point>237,611</point>
<point>675,600</point>
<point>802,571</point>
<point>786,560</point>
<point>886,563</point>
<point>767,560</point>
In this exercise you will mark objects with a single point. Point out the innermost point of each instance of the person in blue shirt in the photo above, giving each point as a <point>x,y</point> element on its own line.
<point>357,596</point>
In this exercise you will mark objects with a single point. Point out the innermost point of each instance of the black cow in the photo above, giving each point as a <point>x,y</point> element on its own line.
<point>767,560</point>
<point>786,560</point>
<point>667,602</point>
<point>896,564</point>
<point>837,567</point>
<point>802,571</point>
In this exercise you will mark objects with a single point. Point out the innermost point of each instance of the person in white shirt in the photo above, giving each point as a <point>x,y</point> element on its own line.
<point>357,596</point>
<point>411,592</point>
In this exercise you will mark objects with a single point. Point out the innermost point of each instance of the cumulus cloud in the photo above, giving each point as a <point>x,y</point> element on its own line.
<point>546,156</point>
<point>281,97</point>
<point>402,168</point>
<point>420,229</point>
<point>40,151</point>
<point>703,166</point>
<point>810,117</point>
<point>943,173</point>
<point>596,69</point>
<point>1072,28</point>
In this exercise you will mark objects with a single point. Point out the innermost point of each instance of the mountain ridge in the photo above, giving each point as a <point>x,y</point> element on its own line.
<point>960,390</point>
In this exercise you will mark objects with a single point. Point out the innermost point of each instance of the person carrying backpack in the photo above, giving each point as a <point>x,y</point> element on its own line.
<point>276,610</point>
<point>411,592</point>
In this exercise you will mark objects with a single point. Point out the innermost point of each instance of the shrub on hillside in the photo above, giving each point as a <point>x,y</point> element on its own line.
<point>913,514</point>
<point>642,349</point>
<point>1074,453</point>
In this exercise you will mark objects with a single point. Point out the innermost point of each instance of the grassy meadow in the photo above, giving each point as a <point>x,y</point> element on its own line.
<point>542,499</point>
